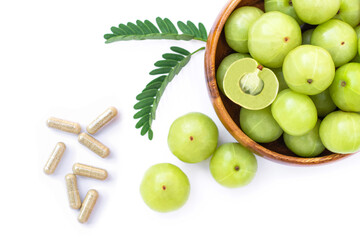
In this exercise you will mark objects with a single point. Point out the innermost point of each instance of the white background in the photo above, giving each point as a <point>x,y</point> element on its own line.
<point>53,62</point>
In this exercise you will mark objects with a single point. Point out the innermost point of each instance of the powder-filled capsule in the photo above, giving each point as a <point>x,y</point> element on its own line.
<point>64,125</point>
<point>54,158</point>
<point>94,145</point>
<point>103,119</point>
<point>73,191</point>
<point>89,171</point>
<point>88,205</point>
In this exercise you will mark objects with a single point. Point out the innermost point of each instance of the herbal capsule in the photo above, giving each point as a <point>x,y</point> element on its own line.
<point>54,158</point>
<point>88,205</point>
<point>89,171</point>
<point>64,125</point>
<point>94,145</point>
<point>73,192</point>
<point>101,120</point>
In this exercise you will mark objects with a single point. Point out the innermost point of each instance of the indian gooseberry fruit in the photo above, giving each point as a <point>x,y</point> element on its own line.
<point>193,137</point>
<point>338,38</point>
<point>284,6</point>
<point>315,12</point>
<point>260,125</point>
<point>340,132</point>
<point>250,85</point>
<point>357,57</point>
<point>232,165</point>
<point>345,89</point>
<point>349,12</point>
<point>272,37</point>
<point>225,64</point>
<point>237,26</point>
<point>165,187</point>
<point>308,145</point>
<point>294,112</point>
<point>306,37</point>
<point>323,103</point>
<point>280,76</point>
<point>308,69</point>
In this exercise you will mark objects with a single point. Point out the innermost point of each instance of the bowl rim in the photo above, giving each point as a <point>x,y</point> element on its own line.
<point>223,115</point>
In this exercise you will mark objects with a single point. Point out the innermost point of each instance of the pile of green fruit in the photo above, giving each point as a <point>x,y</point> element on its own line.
<point>193,138</point>
<point>296,73</point>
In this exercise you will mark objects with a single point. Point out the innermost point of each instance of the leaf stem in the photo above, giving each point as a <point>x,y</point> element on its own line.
<point>202,48</point>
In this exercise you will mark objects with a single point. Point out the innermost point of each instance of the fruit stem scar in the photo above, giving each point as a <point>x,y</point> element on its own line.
<point>342,43</point>
<point>164,187</point>
<point>236,168</point>
<point>290,3</point>
<point>191,138</point>
<point>260,67</point>
<point>309,81</point>
<point>286,39</point>
<point>343,83</point>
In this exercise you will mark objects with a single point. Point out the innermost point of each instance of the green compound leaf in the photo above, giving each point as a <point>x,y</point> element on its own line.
<point>151,26</point>
<point>117,31</point>
<point>135,28</point>
<point>162,25</point>
<point>165,29</point>
<point>146,94</point>
<point>166,68</point>
<point>149,98</point>
<point>180,51</point>
<point>202,30</point>
<point>142,112</point>
<point>171,26</point>
<point>193,28</point>
<point>184,28</point>
<point>166,63</point>
<point>126,29</point>
<point>142,121</point>
<point>150,134</point>
<point>171,56</point>
<point>154,85</point>
<point>160,70</point>
<point>143,103</point>
<point>144,28</point>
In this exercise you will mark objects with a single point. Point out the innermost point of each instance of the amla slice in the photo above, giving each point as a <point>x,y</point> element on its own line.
<point>250,85</point>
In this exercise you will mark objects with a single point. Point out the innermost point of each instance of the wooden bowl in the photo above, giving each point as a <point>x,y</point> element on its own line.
<point>228,112</point>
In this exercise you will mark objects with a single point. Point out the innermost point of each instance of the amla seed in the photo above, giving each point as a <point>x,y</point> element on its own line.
<point>72,190</point>
<point>102,120</point>
<point>89,171</point>
<point>54,158</point>
<point>88,205</point>
<point>94,145</point>
<point>64,125</point>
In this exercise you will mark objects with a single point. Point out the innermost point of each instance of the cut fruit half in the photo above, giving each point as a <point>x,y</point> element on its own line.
<point>250,85</point>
